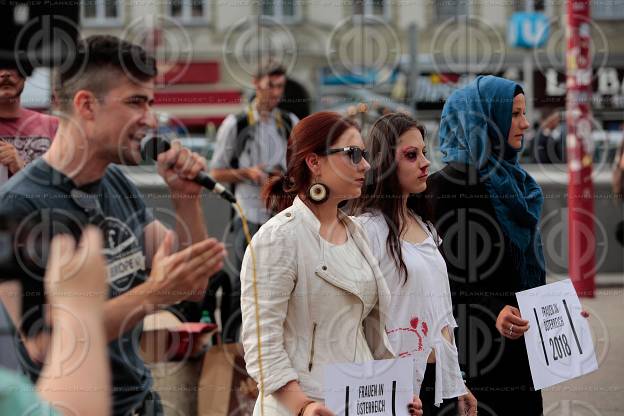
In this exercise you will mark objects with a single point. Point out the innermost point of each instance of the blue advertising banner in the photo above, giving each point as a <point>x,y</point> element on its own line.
<point>528,30</point>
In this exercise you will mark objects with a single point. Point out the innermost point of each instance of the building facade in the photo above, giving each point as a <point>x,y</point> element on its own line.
<point>208,49</point>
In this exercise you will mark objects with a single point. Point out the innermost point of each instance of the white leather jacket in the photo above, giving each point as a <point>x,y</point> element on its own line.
<point>302,306</point>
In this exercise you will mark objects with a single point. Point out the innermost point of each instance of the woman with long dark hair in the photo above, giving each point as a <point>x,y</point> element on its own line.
<point>420,324</point>
<point>316,295</point>
<point>487,208</point>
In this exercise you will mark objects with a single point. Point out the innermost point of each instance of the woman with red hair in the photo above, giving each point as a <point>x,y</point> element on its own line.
<point>318,296</point>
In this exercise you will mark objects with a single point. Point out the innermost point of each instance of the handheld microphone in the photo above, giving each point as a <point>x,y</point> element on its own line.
<point>152,146</point>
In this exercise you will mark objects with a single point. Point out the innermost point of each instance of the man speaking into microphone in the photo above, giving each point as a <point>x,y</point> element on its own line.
<point>105,98</point>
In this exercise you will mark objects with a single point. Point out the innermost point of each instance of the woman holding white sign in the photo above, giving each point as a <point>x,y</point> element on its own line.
<point>420,325</point>
<point>312,292</point>
<point>488,208</point>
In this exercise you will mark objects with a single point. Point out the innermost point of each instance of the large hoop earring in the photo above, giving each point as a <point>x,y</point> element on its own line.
<point>318,193</point>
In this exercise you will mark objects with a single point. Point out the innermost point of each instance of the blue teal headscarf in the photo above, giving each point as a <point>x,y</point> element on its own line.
<point>474,128</point>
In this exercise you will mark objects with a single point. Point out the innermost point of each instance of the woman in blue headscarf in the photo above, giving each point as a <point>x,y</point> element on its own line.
<point>487,208</point>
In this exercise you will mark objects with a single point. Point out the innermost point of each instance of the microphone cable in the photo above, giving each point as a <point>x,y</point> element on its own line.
<point>254,284</point>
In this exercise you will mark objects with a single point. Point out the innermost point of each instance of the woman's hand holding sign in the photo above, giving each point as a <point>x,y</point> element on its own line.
<point>415,407</point>
<point>510,323</point>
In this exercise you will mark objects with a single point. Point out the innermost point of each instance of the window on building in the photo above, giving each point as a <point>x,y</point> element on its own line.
<point>101,12</point>
<point>608,9</point>
<point>548,7</point>
<point>376,8</point>
<point>286,11</point>
<point>188,11</point>
<point>446,9</point>
<point>521,5</point>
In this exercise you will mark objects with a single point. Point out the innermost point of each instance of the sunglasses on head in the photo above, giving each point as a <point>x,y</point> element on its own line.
<point>355,153</point>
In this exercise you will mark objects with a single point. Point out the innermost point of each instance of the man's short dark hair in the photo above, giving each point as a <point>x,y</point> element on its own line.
<point>97,66</point>
<point>271,69</point>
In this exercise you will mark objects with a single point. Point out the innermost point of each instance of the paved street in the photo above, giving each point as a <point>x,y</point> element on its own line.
<point>602,392</point>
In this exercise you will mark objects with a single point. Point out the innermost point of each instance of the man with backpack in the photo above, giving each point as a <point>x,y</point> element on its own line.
<point>250,148</point>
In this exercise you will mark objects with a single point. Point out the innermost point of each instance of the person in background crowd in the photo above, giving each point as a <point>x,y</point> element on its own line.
<point>420,323</point>
<point>106,98</point>
<point>74,381</point>
<point>250,148</point>
<point>24,134</point>
<point>321,296</point>
<point>549,141</point>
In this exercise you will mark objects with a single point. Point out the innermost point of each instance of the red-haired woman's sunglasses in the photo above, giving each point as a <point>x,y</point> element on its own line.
<point>355,153</point>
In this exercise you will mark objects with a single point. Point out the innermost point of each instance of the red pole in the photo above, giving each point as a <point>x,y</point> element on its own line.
<point>581,237</point>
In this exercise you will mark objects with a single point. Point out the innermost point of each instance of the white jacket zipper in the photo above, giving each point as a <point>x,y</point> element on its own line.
<point>312,347</point>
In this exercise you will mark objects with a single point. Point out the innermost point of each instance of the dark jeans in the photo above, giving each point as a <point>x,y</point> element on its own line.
<point>240,242</point>
<point>230,305</point>
<point>427,395</point>
<point>230,286</point>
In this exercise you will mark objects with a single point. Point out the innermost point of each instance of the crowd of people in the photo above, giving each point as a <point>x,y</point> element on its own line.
<point>358,253</point>
<point>396,269</point>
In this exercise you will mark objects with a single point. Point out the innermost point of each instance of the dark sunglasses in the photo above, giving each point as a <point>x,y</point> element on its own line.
<point>355,153</point>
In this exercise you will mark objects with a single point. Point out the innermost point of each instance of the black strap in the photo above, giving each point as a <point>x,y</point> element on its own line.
<point>288,124</point>
<point>244,133</point>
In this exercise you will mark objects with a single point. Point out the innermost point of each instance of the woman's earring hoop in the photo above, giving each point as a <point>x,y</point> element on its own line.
<point>318,193</point>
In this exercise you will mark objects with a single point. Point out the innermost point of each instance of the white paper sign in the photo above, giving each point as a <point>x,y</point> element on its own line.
<point>559,342</point>
<point>382,387</point>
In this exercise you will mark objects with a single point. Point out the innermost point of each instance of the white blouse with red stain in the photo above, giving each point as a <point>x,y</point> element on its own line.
<point>421,307</point>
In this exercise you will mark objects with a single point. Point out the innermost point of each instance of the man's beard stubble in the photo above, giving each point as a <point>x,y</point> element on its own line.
<point>12,98</point>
